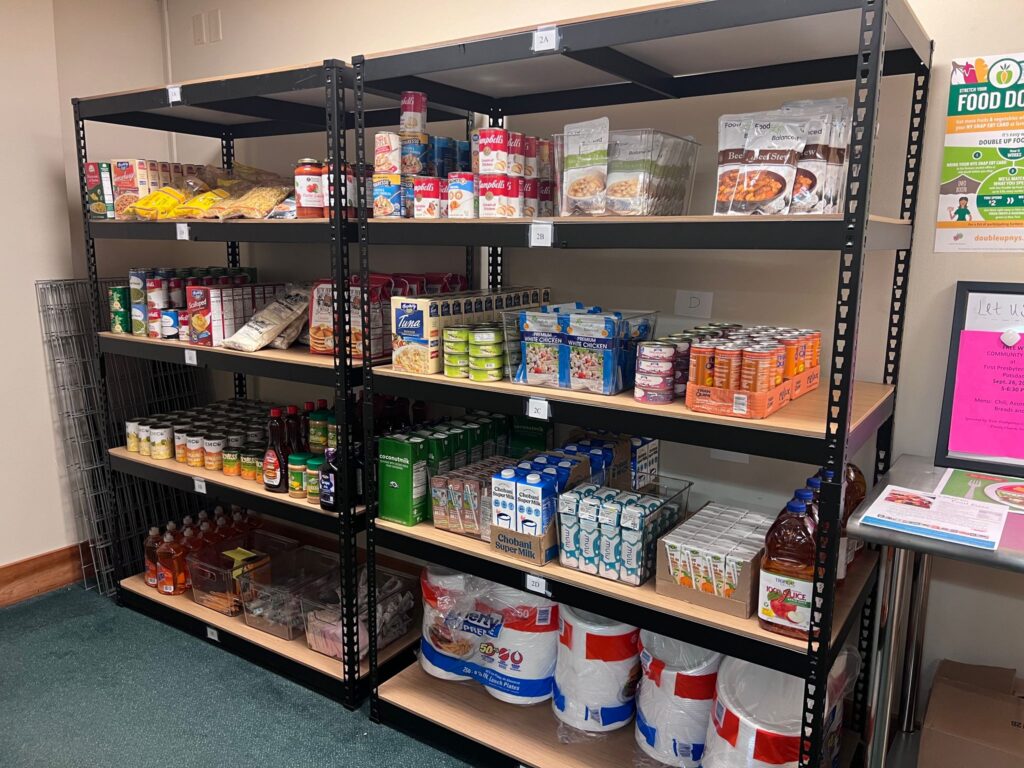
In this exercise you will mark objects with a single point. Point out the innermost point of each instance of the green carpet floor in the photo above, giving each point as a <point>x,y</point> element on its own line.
<point>86,684</point>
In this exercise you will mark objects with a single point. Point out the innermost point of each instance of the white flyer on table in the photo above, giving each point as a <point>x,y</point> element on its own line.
<point>947,518</point>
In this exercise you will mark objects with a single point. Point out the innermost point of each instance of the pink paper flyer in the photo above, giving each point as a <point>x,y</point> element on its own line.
<point>988,398</point>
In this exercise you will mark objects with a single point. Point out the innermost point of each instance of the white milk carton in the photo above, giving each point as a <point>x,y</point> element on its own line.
<point>589,546</point>
<point>536,503</point>
<point>503,499</point>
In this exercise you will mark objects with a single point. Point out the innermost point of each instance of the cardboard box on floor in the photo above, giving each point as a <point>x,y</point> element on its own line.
<point>975,718</point>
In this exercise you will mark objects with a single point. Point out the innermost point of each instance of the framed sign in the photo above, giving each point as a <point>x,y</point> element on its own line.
<point>982,420</point>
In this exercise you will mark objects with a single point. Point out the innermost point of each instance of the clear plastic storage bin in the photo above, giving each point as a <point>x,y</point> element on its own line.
<point>649,173</point>
<point>215,576</point>
<point>397,612</point>
<point>270,593</point>
<point>565,347</point>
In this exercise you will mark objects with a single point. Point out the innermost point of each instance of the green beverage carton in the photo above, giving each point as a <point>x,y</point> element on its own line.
<point>474,442</point>
<point>500,425</point>
<point>402,480</point>
<point>487,430</point>
<point>439,454</point>
<point>459,441</point>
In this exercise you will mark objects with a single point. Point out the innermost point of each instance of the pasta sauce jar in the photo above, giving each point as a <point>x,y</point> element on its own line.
<point>309,189</point>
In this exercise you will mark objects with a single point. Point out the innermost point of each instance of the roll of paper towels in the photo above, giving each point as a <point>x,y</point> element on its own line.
<point>674,700</point>
<point>518,644</point>
<point>597,671</point>
<point>444,647</point>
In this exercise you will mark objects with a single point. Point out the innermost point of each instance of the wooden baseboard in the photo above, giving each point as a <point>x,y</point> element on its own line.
<point>39,574</point>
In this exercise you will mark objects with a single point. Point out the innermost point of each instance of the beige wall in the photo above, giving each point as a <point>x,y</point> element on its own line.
<point>796,288</point>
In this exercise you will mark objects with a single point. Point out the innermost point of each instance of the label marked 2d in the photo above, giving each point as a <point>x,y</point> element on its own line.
<point>537,584</point>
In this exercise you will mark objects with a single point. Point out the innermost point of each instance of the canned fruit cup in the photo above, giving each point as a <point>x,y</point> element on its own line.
<point>387,153</point>
<point>461,196</point>
<point>487,350</point>
<point>484,375</point>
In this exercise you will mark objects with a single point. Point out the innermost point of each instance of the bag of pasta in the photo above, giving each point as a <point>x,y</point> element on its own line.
<point>257,203</point>
<point>157,204</point>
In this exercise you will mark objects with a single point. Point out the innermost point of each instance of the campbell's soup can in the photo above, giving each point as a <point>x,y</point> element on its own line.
<point>545,152</point>
<point>530,167</point>
<point>413,116</point>
<point>442,185</point>
<point>176,291</point>
<point>426,197</point>
<point>514,197</point>
<point>530,198</point>
<point>516,159</point>
<point>183,325</point>
<point>493,153</point>
<point>157,294</point>
<point>491,195</point>
<point>545,200</point>
<point>387,153</point>
<point>461,195</point>
<point>154,323</point>
<point>387,196</point>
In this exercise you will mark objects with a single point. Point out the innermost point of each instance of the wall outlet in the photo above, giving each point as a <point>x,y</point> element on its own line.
<point>199,29</point>
<point>213,27</point>
<point>735,458</point>
<point>694,303</point>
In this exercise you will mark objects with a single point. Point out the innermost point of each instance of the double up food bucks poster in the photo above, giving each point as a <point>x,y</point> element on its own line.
<point>981,197</point>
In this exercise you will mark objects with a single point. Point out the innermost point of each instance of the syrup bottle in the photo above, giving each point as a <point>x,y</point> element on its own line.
<point>786,590</point>
<point>149,547</point>
<point>192,543</point>
<point>307,411</point>
<point>275,459</point>
<point>293,432</point>
<point>170,567</point>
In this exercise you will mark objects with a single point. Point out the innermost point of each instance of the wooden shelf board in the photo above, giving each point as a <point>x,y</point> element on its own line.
<point>646,596</point>
<point>247,486</point>
<point>296,650</point>
<point>804,417</point>
<point>290,356</point>
<point>526,734</point>
<point>638,221</point>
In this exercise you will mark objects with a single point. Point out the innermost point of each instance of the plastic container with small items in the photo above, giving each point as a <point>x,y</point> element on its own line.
<point>270,593</point>
<point>397,612</point>
<point>216,573</point>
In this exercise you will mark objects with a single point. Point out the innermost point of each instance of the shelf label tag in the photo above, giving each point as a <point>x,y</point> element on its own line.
<point>181,230</point>
<point>537,584</point>
<point>190,357</point>
<point>212,634</point>
<point>542,233</point>
<point>199,485</point>
<point>538,408</point>
<point>545,39</point>
<point>173,93</point>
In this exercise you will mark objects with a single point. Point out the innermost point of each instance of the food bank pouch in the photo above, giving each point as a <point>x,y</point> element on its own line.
<point>674,699</point>
<point>589,359</point>
<point>811,182</point>
<point>597,671</point>
<point>585,167</point>
<point>732,138</point>
<point>771,153</point>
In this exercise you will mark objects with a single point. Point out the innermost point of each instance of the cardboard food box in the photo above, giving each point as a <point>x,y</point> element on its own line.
<point>130,180</point>
<point>321,318</point>
<point>974,718</point>
<point>743,600</point>
<point>99,191</point>
<point>751,405</point>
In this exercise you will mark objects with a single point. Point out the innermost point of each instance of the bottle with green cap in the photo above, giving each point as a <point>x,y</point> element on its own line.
<point>313,466</point>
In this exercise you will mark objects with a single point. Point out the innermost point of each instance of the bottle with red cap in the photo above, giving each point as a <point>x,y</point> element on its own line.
<point>307,411</point>
<point>275,458</point>
<point>293,430</point>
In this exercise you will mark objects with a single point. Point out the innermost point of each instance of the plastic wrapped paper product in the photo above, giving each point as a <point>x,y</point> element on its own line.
<point>597,671</point>
<point>474,629</point>
<point>757,714</point>
<point>674,701</point>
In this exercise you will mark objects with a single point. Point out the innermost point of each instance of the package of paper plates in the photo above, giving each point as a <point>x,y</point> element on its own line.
<point>757,714</point>
<point>674,699</point>
<point>597,671</point>
<point>474,629</point>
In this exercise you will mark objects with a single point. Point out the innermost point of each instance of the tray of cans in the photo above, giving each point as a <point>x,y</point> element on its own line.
<point>752,372</point>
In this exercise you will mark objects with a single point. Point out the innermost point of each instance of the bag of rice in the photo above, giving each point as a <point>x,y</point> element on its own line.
<point>270,321</point>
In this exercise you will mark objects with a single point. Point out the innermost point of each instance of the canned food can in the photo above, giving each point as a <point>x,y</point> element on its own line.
<point>794,347</point>
<point>157,296</point>
<point>119,298</point>
<point>516,158</point>
<point>169,328</point>
<point>140,320</point>
<point>487,363</point>
<point>426,197</point>
<point>476,374</point>
<point>387,196</point>
<point>728,361</point>
<point>154,323</point>
<point>408,196</point>
<point>247,463</point>
<point>491,195</point>
<point>757,373</point>
<point>121,321</point>
<point>161,440</point>
<point>463,158</point>
<point>183,325</point>
<point>486,350</point>
<point>492,155</point>
<point>456,371</point>
<point>656,350</point>
<point>530,157</point>
<point>679,389</point>
<point>176,291</point>
<point>461,196</point>
<point>531,203</point>
<point>213,452</point>
<point>181,443</point>
<point>442,160</point>
<point>442,187</point>
<point>145,447</point>
<point>231,461</point>
<point>486,334</point>
<point>387,153</point>
<point>457,333</point>
<point>812,354</point>
<point>131,435</point>
<point>413,112</point>
<point>255,433</point>
<point>137,277</point>
<point>702,364</point>
<point>456,347</point>
<point>653,397</point>
<point>545,197</point>
<point>236,439</point>
<point>414,155</point>
<point>455,359</point>
<point>514,199</point>
<point>194,454</point>
<point>654,382</point>
<point>650,365</point>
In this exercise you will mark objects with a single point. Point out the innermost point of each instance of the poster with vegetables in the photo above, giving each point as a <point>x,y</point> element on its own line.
<point>981,196</point>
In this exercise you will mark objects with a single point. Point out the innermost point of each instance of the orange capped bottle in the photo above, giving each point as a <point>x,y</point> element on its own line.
<point>786,590</point>
<point>170,567</point>
<point>149,547</point>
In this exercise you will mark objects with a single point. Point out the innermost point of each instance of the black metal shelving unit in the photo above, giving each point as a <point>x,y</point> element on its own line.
<point>675,52</point>
<point>307,99</point>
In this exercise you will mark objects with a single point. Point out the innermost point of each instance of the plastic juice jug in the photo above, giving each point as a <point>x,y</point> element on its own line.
<point>806,495</point>
<point>149,547</point>
<point>275,458</point>
<point>172,528</point>
<point>786,589</point>
<point>212,538</point>
<point>192,543</point>
<point>170,567</point>
<point>252,520</point>
<point>856,490</point>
